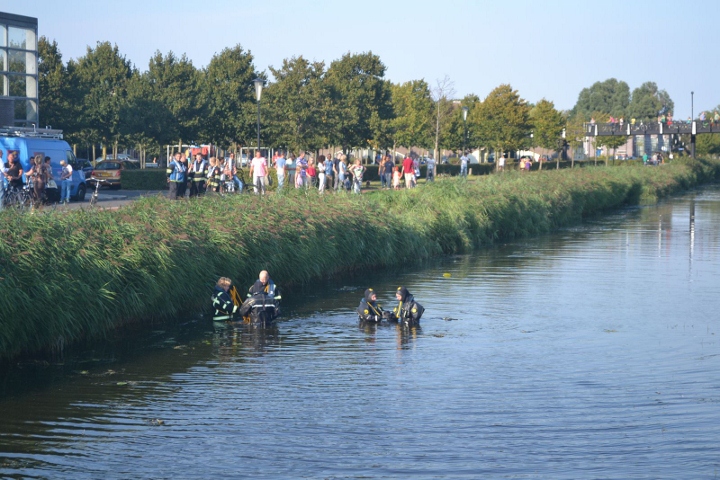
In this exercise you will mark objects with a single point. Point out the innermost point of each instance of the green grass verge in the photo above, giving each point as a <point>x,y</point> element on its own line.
<point>66,275</point>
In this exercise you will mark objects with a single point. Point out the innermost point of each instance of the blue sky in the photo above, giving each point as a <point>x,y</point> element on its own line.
<point>544,49</point>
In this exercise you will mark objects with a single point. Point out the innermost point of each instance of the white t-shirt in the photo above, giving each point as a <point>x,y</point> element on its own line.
<point>259,166</point>
<point>66,172</point>
<point>464,161</point>
<point>431,163</point>
<point>502,161</point>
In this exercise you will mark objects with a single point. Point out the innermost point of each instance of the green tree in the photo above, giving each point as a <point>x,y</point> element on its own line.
<point>442,95</point>
<point>230,97</point>
<point>648,102</point>
<point>299,110</point>
<point>362,99</point>
<point>102,76</point>
<point>55,87</point>
<point>502,120</point>
<point>611,97</point>
<point>413,107</point>
<point>176,85</point>
<point>143,117</point>
<point>547,124</point>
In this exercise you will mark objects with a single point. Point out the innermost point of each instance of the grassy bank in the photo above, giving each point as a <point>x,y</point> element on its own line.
<point>66,275</point>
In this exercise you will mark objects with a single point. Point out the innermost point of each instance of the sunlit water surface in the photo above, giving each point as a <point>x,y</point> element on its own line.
<point>590,353</point>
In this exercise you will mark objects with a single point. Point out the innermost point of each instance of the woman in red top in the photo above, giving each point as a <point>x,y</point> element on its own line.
<point>408,172</point>
<point>311,173</point>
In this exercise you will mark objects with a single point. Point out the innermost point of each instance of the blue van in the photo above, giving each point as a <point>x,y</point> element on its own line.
<point>27,144</point>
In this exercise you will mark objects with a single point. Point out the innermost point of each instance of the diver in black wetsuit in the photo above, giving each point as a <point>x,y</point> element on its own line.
<point>369,310</point>
<point>408,311</point>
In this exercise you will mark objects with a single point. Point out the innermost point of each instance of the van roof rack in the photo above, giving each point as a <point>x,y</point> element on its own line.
<point>31,132</point>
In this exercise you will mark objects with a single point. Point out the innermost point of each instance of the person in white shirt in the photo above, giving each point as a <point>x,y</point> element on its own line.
<point>65,181</point>
<point>501,163</point>
<point>259,172</point>
<point>430,176</point>
<point>463,165</point>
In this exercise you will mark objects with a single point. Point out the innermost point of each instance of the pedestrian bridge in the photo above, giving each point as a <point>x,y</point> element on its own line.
<point>654,128</point>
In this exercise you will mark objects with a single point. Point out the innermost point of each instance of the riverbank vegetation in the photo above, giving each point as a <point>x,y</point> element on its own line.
<point>72,274</point>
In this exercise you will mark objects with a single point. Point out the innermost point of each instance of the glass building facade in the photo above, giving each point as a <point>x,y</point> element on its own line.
<point>19,67</point>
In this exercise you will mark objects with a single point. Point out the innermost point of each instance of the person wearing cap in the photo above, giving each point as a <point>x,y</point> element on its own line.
<point>369,310</point>
<point>407,311</point>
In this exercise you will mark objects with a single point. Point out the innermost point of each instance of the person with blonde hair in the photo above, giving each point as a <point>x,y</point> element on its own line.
<point>357,171</point>
<point>222,302</point>
<point>214,173</point>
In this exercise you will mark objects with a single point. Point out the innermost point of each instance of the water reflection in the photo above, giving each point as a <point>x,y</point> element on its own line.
<point>234,339</point>
<point>595,349</point>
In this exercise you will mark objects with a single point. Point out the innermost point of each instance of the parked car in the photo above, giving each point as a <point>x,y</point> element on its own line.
<point>111,170</point>
<point>82,164</point>
<point>120,156</point>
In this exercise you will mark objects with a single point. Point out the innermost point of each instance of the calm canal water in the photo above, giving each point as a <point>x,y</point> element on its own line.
<point>590,353</point>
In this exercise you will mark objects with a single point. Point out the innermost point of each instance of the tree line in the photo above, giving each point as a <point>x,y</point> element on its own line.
<point>102,98</point>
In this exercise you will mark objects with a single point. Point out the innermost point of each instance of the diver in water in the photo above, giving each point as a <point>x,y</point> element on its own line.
<point>264,286</point>
<point>222,300</point>
<point>408,311</point>
<point>369,310</point>
<point>263,303</point>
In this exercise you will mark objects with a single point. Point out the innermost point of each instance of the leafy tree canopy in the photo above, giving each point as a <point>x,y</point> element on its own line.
<point>502,120</point>
<point>611,97</point>
<point>413,108</point>
<point>547,124</point>
<point>300,111</point>
<point>230,97</point>
<point>648,102</point>
<point>360,94</point>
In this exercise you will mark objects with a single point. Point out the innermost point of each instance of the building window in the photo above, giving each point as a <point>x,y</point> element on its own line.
<point>19,66</point>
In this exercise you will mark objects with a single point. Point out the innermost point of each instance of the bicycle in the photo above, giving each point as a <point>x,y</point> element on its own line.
<point>19,198</point>
<point>94,196</point>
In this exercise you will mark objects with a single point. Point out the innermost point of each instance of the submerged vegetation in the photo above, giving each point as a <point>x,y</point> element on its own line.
<point>72,274</point>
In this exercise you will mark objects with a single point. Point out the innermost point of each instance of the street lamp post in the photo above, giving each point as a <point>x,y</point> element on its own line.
<point>692,106</point>
<point>692,121</point>
<point>465,112</point>
<point>259,83</point>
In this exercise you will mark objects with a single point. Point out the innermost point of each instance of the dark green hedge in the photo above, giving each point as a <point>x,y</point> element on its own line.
<point>155,179</point>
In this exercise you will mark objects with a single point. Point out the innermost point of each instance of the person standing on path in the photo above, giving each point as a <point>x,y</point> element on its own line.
<point>329,172</point>
<point>430,175</point>
<point>259,172</point>
<point>388,165</point>
<point>357,171</point>
<point>65,181</point>
<point>321,173</point>
<point>463,165</point>
<point>176,177</point>
<point>198,174</point>
<point>408,172</point>
<point>301,169</point>
<point>281,169</point>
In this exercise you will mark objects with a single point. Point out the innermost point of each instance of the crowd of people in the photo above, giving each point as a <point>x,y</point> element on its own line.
<point>39,179</point>
<point>331,173</point>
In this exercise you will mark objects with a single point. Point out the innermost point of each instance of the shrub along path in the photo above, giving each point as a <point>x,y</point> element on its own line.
<point>71,274</point>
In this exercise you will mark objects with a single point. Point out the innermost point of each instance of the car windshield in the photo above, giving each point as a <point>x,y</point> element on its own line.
<point>108,166</point>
